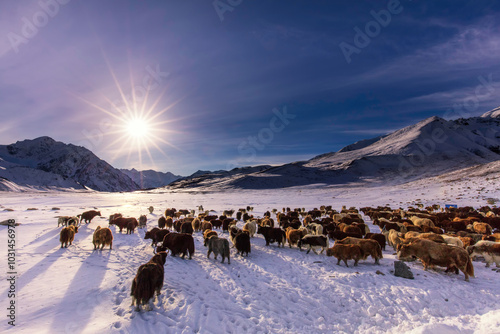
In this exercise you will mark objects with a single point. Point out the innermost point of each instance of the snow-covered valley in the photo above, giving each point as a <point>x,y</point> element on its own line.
<point>274,290</point>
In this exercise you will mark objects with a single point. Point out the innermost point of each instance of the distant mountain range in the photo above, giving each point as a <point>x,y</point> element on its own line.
<point>44,163</point>
<point>429,148</point>
<point>148,179</point>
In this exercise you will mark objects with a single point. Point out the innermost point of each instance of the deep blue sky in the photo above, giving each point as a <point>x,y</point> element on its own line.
<point>225,77</point>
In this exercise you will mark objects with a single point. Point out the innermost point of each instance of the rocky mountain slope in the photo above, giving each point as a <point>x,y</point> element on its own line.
<point>428,148</point>
<point>148,179</point>
<point>45,163</point>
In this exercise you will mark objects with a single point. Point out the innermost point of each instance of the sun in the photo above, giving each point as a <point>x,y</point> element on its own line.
<point>138,125</point>
<point>138,128</point>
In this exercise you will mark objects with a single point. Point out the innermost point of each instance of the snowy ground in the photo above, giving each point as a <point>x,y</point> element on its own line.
<point>274,290</point>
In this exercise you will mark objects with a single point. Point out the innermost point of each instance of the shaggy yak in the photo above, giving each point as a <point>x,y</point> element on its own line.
<point>149,278</point>
<point>87,216</point>
<point>114,216</point>
<point>272,234</point>
<point>143,220</point>
<point>218,246</point>
<point>131,225</point>
<point>67,235</point>
<point>156,235</point>
<point>122,222</point>
<point>435,254</point>
<point>368,247</point>
<point>490,250</point>
<point>345,252</point>
<point>242,243</point>
<point>63,221</point>
<point>102,237</point>
<point>162,222</point>
<point>169,222</point>
<point>178,243</point>
<point>314,241</point>
<point>67,220</point>
<point>207,234</point>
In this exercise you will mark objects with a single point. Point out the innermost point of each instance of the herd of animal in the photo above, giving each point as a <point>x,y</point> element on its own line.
<point>448,238</point>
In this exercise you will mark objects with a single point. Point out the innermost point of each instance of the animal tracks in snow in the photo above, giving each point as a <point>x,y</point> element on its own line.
<point>273,290</point>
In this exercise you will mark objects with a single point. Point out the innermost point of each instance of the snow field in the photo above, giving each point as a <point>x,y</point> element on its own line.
<point>274,290</point>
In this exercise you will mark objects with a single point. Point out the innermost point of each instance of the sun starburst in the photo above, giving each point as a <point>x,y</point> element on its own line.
<point>138,125</point>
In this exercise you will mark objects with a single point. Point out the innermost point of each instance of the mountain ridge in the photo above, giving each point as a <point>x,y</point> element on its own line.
<point>148,179</point>
<point>424,149</point>
<point>80,166</point>
<point>427,148</point>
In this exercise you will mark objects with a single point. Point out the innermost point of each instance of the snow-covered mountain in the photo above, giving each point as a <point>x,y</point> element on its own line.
<point>14,177</point>
<point>148,179</point>
<point>429,148</point>
<point>431,144</point>
<point>44,163</point>
<point>219,178</point>
<point>495,113</point>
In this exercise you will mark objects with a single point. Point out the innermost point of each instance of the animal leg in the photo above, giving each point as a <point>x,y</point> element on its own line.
<point>465,273</point>
<point>338,262</point>
<point>345,261</point>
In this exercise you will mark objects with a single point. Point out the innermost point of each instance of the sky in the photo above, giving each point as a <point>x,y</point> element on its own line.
<point>182,86</point>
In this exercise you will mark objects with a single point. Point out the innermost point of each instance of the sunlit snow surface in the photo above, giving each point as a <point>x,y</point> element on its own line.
<point>274,290</point>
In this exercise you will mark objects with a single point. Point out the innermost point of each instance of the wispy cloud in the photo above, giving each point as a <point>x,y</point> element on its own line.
<point>472,48</point>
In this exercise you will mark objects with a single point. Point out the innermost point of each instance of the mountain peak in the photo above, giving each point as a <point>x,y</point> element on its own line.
<point>495,113</point>
<point>427,121</point>
<point>66,161</point>
<point>44,139</point>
